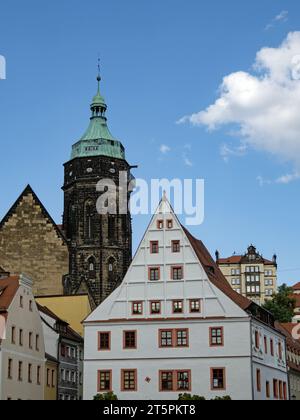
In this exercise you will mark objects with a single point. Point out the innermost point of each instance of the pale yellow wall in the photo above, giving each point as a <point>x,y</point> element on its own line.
<point>51,389</point>
<point>226,270</point>
<point>72,309</point>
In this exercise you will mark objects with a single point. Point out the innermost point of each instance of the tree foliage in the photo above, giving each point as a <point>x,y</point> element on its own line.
<point>282,306</point>
<point>110,396</point>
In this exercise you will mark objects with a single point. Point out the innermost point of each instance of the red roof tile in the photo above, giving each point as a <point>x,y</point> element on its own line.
<point>214,273</point>
<point>8,289</point>
<point>296,287</point>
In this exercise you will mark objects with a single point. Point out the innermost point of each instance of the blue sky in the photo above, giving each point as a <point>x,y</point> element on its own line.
<point>161,61</point>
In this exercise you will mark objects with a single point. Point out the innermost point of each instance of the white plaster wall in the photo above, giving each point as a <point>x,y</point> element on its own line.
<point>29,322</point>
<point>150,369</point>
<point>148,358</point>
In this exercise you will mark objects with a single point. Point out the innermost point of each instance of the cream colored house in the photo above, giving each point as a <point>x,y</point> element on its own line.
<point>22,352</point>
<point>250,275</point>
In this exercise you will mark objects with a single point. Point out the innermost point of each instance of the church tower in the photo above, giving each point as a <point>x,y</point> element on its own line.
<point>100,244</point>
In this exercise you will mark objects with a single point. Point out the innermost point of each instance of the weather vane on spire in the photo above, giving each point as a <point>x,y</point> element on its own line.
<point>99,76</point>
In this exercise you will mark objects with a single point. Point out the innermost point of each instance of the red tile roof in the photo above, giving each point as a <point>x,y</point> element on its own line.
<point>214,273</point>
<point>237,259</point>
<point>292,344</point>
<point>8,289</point>
<point>297,299</point>
<point>70,333</point>
<point>296,287</point>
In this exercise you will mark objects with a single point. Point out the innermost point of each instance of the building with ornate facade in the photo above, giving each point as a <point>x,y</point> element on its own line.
<point>250,275</point>
<point>176,326</point>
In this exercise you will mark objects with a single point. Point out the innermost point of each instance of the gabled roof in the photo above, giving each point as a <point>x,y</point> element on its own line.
<point>238,259</point>
<point>292,344</point>
<point>29,191</point>
<point>214,273</point>
<point>296,287</point>
<point>69,332</point>
<point>8,289</point>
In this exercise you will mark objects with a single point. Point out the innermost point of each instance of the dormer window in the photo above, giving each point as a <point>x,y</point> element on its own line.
<point>170,224</point>
<point>160,224</point>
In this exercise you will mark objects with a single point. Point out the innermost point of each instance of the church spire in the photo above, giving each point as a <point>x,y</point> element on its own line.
<point>97,139</point>
<point>98,106</point>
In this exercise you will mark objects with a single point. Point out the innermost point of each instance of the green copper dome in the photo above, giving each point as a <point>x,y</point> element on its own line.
<point>98,140</point>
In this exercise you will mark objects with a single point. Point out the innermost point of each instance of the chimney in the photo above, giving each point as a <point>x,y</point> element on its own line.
<point>217,255</point>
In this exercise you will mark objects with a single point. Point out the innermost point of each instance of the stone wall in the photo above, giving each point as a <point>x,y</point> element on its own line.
<point>30,243</point>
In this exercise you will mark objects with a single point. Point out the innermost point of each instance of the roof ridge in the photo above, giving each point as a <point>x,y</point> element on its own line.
<point>214,273</point>
<point>28,190</point>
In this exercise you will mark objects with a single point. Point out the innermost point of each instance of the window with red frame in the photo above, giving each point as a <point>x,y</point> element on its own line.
<point>129,380</point>
<point>281,390</point>
<point>167,381</point>
<point>130,341</point>
<point>258,380</point>
<point>154,274</point>
<point>266,344</point>
<point>183,382</point>
<point>275,388</point>
<point>182,338</point>
<point>104,381</point>
<point>272,347</point>
<point>155,308</point>
<point>170,224</point>
<point>175,247</point>
<point>166,338</point>
<point>285,391</point>
<point>154,247</point>
<point>218,379</point>
<point>178,306</point>
<point>137,308</point>
<point>195,306</point>
<point>103,341</point>
<point>177,273</point>
<point>160,224</point>
<point>216,337</point>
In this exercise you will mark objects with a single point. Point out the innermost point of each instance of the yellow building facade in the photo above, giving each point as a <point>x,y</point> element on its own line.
<point>72,309</point>
<point>250,274</point>
<point>51,377</point>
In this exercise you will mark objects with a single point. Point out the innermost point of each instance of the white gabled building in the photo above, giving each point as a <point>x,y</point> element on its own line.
<point>176,326</point>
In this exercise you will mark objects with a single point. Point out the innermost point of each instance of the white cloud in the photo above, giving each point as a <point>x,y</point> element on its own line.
<point>288,178</point>
<point>264,104</point>
<point>187,161</point>
<point>164,149</point>
<point>281,17</point>
<point>283,180</point>
<point>231,151</point>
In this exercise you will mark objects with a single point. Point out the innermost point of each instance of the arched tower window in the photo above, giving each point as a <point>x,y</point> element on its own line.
<point>111,269</point>
<point>92,266</point>
<point>89,214</point>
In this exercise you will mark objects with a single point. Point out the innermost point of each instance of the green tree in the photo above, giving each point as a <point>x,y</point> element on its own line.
<point>282,306</point>
<point>189,397</point>
<point>110,396</point>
